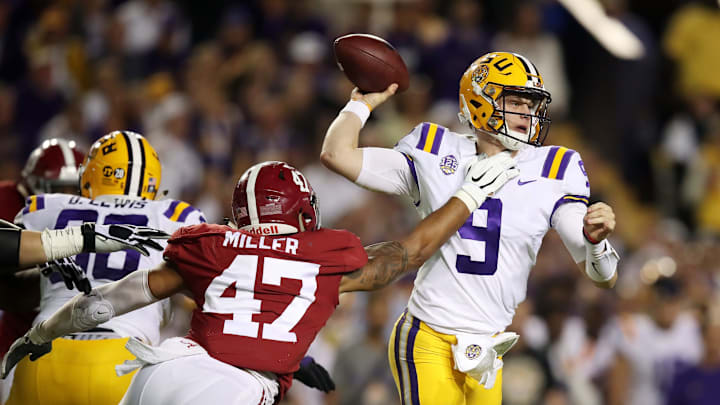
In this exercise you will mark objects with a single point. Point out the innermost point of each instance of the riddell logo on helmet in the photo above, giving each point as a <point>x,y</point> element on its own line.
<point>264,230</point>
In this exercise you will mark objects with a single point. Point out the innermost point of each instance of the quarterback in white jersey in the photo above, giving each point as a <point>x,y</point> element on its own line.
<point>119,181</point>
<point>451,295</point>
<point>467,292</point>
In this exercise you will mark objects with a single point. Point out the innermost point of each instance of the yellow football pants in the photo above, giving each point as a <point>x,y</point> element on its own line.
<point>75,372</point>
<point>421,361</point>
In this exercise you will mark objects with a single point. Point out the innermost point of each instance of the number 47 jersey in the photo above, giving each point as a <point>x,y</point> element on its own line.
<point>477,279</point>
<point>262,299</point>
<point>56,211</point>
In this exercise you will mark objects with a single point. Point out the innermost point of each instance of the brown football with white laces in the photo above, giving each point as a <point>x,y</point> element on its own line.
<point>370,62</point>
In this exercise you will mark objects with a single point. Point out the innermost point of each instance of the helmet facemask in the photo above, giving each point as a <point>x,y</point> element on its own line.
<point>538,125</point>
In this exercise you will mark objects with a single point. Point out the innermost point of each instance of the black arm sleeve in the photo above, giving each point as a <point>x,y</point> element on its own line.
<point>9,250</point>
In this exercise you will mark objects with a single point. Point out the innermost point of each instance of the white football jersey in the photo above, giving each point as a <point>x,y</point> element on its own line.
<point>56,211</point>
<point>479,276</point>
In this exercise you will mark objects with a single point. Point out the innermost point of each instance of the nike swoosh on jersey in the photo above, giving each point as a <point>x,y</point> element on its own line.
<point>522,183</point>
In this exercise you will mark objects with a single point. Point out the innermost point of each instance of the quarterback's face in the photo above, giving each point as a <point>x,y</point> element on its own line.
<point>519,105</point>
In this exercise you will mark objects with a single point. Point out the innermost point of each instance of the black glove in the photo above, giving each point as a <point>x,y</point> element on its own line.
<point>72,274</point>
<point>21,348</point>
<point>314,375</point>
<point>110,238</point>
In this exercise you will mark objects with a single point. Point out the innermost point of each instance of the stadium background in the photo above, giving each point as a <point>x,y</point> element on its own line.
<point>215,86</point>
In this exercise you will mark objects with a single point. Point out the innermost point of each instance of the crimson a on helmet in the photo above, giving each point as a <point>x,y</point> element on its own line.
<point>52,167</point>
<point>273,198</point>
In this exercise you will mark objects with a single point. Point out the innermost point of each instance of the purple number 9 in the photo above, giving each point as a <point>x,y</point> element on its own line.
<point>487,231</point>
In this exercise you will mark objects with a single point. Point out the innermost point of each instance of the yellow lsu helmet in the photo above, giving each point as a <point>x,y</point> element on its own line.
<point>482,105</point>
<point>121,163</point>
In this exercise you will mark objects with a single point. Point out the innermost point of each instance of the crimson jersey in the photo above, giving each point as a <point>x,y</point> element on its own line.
<point>262,299</point>
<point>12,324</point>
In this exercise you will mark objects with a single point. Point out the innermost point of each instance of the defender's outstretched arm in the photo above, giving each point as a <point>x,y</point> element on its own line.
<point>136,290</point>
<point>389,260</point>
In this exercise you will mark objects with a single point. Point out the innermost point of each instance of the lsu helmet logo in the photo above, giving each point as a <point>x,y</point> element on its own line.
<point>480,74</point>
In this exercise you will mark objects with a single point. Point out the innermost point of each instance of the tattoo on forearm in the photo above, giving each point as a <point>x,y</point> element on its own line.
<point>387,261</point>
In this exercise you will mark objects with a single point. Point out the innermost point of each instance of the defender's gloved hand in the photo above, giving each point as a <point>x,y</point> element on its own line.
<point>314,375</point>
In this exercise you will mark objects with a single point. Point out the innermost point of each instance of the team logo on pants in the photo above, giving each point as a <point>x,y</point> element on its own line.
<point>472,352</point>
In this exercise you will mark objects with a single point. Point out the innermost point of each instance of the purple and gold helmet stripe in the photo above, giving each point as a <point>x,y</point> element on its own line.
<point>431,136</point>
<point>557,162</point>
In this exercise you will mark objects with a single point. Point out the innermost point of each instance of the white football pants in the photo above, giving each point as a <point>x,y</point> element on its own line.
<point>198,380</point>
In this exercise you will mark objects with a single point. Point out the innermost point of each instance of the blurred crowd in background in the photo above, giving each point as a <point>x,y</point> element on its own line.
<point>217,86</point>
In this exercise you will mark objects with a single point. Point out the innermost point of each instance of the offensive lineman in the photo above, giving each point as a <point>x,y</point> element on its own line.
<point>119,181</point>
<point>263,291</point>
<point>467,293</point>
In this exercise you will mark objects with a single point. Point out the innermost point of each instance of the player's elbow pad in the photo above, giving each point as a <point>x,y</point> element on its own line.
<point>601,260</point>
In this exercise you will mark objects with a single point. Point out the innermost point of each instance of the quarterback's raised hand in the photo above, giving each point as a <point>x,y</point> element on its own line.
<point>373,99</point>
<point>72,274</point>
<point>28,344</point>
<point>111,238</point>
<point>314,375</point>
<point>599,222</point>
<point>484,177</point>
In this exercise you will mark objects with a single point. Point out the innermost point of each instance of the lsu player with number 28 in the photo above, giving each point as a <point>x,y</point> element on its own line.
<point>448,344</point>
<point>119,181</point>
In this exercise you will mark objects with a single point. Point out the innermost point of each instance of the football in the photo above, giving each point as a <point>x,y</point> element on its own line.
<point>370,62</point>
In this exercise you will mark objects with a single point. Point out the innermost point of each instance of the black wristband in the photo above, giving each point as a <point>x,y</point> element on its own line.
<point>88,233</point>
<point>9,250</point>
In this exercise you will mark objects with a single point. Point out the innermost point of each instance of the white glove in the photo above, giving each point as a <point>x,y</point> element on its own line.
<point>111,238</point>
<point>479,355</point>
<point>485,176</point>
<point>91,237</point>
